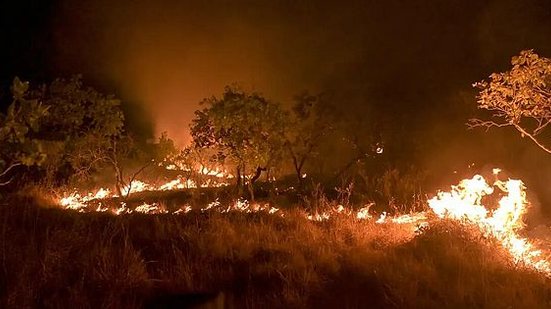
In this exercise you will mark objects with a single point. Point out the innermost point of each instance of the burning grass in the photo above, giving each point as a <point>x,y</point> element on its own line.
<point>58,258</point>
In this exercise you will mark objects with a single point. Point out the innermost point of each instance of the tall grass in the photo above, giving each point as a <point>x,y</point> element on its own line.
<point>56,258</point>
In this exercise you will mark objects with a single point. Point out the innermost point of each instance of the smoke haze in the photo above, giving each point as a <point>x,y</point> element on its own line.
<point>408,64</point>
<point>168,55</point>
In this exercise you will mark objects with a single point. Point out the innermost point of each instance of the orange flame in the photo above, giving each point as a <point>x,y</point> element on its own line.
<point>464,203</point>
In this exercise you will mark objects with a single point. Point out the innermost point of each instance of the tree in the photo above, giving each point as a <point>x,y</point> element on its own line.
<point>129,159</point>
<point>18,127</point>
<point>83,128</point>
<point>245,129</point>
<point>519,98</point>
<point>168,157</point>
<point>309,124</point>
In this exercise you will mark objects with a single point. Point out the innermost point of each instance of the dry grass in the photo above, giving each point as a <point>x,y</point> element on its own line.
<point>54,258</point>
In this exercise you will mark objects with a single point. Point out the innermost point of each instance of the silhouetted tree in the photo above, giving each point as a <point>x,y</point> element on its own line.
<point>82,129</point>
<point>18,127</point>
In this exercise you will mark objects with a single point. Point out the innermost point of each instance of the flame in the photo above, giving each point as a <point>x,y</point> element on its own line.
<point>464,203</point>
<point>122,210</point>
<point>363,213</point>
<point>216,172</point>
<point>382,218</point>
<point>75,201</point>
<point>150,209</point>
<point>183,210</point>
<point>177,184</point>
<point>137,186</point>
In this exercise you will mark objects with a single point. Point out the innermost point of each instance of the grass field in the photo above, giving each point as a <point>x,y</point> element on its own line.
<point>58,259</point>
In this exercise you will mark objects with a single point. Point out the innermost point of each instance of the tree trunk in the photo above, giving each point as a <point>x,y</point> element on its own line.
<point>119,181</point>
<point>119,186</point>
<point>250,185</point>
<point>251,191</point>
<point>257,174</point>
<point>239,181</point>
<point>297,170</point>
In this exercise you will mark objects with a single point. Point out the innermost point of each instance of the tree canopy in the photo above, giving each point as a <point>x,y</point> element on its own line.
<point>310,122</point>
<point>246,129</point>
<point>519,98</point>
<point>65,127</point>
<point>79,128</point>
<point>18,128</point>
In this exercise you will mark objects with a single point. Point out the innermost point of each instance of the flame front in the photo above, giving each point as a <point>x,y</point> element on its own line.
<point>464,203</point>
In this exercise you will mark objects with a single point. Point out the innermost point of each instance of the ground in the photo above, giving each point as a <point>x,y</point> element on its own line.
<point>59,258</point>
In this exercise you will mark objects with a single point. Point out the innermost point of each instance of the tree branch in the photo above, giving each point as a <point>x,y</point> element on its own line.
<point>530,136</point>
<point>6,182</point>
<point>12,166</point>
<point>136,175</point>
<point>476,123</point>
<point>541,126</point>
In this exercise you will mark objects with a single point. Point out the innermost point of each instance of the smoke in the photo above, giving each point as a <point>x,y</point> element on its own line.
<point>169,55</point>
<point>408,66</point>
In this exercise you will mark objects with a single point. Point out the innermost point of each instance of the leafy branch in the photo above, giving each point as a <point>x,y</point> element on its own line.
<point>519,98</point>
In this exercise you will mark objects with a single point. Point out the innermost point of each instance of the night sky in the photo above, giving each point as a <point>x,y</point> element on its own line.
<point>411,63</point>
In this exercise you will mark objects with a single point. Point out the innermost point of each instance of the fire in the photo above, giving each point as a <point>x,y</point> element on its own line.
<point>78,201</point>
<point>137,186</point>
<point>153,208</point>
<point>177,184</point>
<point>216,172</point>
<point>464,203</point>
<point>363,213</point>
<point>75,201</point>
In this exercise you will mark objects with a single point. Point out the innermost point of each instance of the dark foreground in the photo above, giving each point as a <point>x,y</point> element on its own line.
<point>60,259</point>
